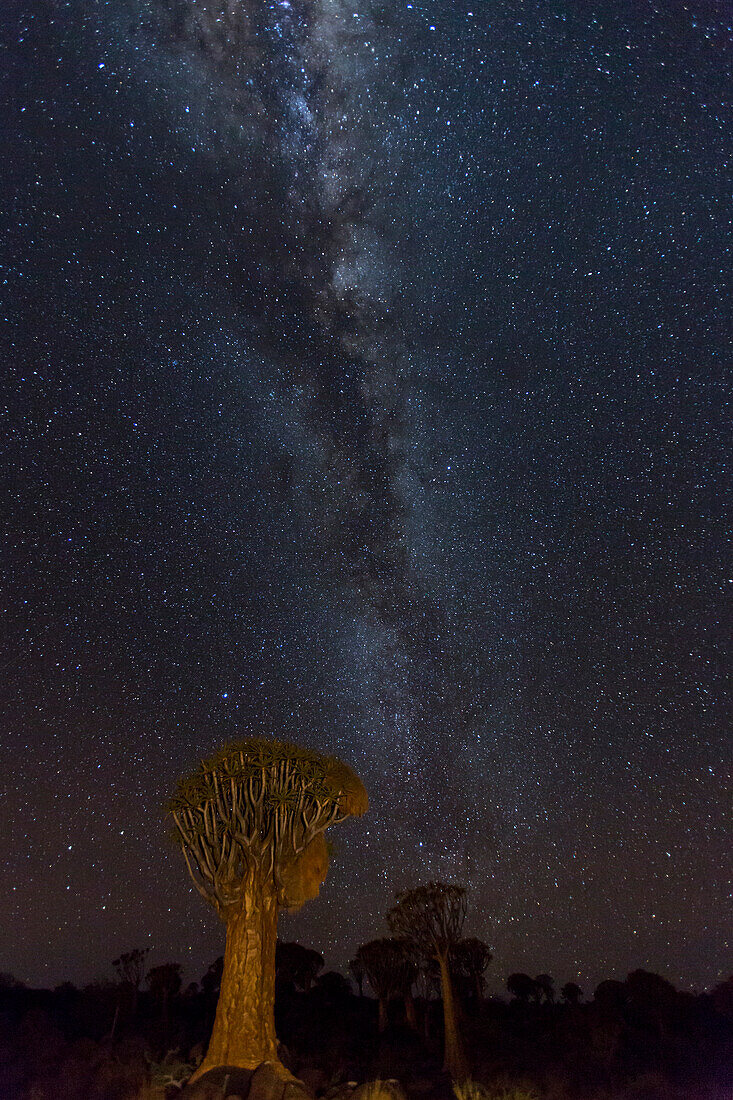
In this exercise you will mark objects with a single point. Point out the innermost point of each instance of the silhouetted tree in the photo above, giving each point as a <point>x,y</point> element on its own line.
<point>611,997</point>
<point>521,986</point>
<point>652,999</point>
<point>130,967</point>
<point>469,960</point>
<point>571,992</point>
<point>211,981</point>
<point>297,965</point>
<point>164,982</point>
<point>722,997</point>
<point>391,969</point>
<point>545,988</point>
<point>431,917</point>
<point>333,986</point>
<point>9,982</point>
<point>250,822</point>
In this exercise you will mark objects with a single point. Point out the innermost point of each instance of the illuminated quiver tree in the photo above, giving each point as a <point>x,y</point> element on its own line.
<point>250,822</point>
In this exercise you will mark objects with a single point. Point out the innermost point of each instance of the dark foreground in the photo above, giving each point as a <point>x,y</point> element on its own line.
<point>636,1040</point>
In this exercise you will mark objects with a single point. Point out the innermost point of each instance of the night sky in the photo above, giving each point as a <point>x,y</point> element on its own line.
<point>364,385</point>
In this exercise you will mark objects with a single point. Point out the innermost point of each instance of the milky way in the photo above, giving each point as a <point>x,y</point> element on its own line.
<point>367,387</point>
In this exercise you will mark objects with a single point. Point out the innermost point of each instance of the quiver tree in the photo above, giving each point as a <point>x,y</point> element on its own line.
<point>469,960</point>
<point>130,967</point>
<point>571,993</point>
<point>544,989</point>
<point>164,983</point>
<point>390,966</point>
<point>431,917</point>
<point>296,965</point>
<point>211,981</point>
<point>250,822</point>
<point>521,986</point>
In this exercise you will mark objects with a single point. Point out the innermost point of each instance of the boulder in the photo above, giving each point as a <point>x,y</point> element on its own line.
<point>233,1083</point>
<point>222,1083</point>
<point>314,1078</point>
<point>266,1084</point>
<point>296,1090</point>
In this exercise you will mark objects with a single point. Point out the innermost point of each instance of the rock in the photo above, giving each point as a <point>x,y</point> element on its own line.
<point>266,1084</point>
<point>296,1090</point>
<point>314,1078</point>
<point>344,1089</point>
<point>233,1083</point>
<point>341,1092</point>
<point>219,1084</point>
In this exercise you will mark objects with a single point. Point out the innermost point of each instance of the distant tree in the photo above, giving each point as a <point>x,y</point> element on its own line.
<point>722,998</point>
<point>611,997</point>
<point>469,961</point>
<point>545,988</point>
<point>8,982</point>
<point>164,982</point>
<point>571,992</point>
<point>652,999</point>
<point>357,973</point>
<point>648,990</point>
<point>521,986</point>
<point>391,968</point>
<point>211,981</point>
<point>333,986</point>
<point>250,822</point>
<point>431,917</point>
<point>130,968</point>
<point>297,965</point>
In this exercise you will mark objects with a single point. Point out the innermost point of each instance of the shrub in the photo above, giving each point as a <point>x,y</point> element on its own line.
<point>500,1090</point>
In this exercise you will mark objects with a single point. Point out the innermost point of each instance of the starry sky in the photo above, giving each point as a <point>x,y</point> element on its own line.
<point>364,386</point>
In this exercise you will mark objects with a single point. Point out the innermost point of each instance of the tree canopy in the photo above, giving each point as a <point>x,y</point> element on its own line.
<point>430,916</point>
<point>260,805</point>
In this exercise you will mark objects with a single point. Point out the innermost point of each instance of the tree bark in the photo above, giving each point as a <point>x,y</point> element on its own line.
<point>383,1017</point>
<point>244,1027</point>
<point>454,1057</point>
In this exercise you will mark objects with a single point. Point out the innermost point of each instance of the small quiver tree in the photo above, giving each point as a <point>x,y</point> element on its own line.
<point>391,968</point>
<point>469,961</point>
<point>164,983</point>
<point>250,822</point>
<point>130,967</point>
<point>431,917</point>
<point>296,965</point>
<point>571,993</point>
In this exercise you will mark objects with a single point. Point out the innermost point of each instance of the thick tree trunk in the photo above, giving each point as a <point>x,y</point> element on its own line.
<point>383,1017</point>
<point>454,1058</point>
<point>244,1027</point>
